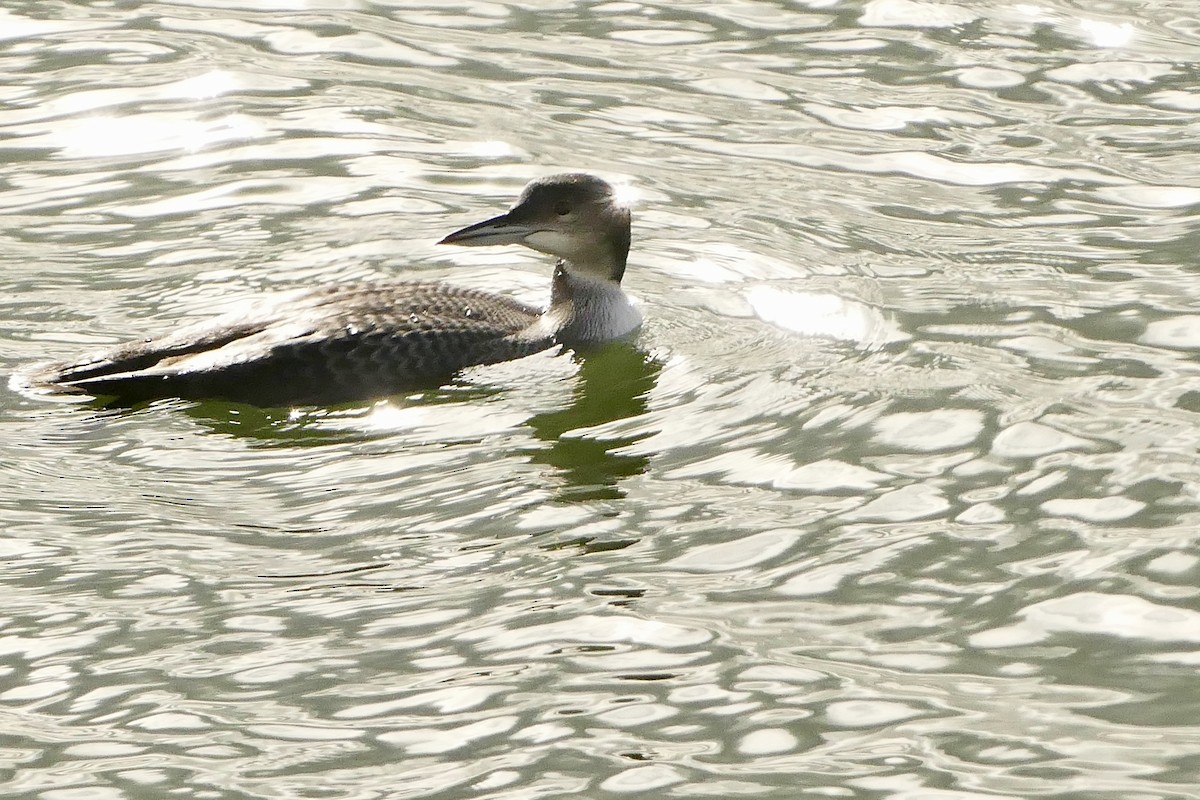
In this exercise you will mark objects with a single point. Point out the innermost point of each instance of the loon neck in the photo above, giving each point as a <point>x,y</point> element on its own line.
<point>587,309</point>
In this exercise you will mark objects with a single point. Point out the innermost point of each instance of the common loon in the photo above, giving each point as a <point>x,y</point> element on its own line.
<point>349,342</point>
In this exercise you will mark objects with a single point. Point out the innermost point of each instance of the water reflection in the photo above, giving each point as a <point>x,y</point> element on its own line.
<point>348,422</point>
<point>614,383</point>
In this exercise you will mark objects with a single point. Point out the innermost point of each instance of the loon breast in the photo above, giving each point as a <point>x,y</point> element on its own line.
<point>367,340</point>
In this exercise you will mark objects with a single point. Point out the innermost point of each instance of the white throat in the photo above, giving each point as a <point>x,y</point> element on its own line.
<point>586,309</point>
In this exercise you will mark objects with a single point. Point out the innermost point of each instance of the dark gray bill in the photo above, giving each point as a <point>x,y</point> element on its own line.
<point>497,230</point>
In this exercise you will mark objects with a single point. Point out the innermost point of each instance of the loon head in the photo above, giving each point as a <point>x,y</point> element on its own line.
<point>573,216</point>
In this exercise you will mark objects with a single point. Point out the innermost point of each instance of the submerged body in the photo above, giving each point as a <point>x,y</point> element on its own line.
<point>369,340</point>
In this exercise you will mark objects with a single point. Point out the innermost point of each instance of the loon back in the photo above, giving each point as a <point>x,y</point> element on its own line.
<point>325,345</point>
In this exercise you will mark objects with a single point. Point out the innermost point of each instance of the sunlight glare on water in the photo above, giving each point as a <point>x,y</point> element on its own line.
<point>894,495</point>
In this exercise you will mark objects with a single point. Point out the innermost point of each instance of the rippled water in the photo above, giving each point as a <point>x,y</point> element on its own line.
<point>895,496</point>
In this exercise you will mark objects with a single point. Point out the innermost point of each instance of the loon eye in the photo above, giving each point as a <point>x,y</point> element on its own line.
<point>562,208</point>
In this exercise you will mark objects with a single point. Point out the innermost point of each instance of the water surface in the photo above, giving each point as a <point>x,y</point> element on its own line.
<point>895,495</point>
